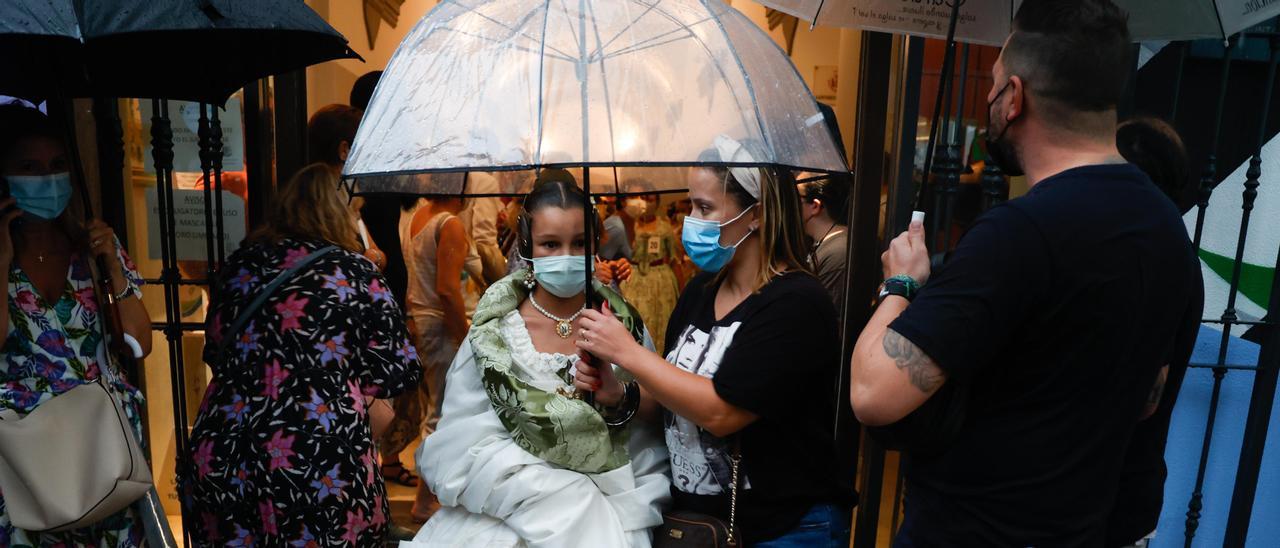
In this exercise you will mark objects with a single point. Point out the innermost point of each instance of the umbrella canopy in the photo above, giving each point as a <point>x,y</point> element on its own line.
<point>636,85</point>
<point>195,50</point>
<point>990,21</point>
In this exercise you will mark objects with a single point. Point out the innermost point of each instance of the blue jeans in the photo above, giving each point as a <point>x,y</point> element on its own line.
<point>824,526</point>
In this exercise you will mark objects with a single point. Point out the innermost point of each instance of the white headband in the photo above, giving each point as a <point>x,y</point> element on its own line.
<point>732,151</point>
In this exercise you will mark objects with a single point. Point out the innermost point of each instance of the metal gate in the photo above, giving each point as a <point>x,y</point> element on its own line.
<point>274,123</point>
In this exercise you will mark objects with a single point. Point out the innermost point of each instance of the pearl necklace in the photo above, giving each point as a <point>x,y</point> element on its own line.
<point>564,326</point>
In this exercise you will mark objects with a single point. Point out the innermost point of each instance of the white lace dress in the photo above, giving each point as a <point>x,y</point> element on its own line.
<point>495,494</point>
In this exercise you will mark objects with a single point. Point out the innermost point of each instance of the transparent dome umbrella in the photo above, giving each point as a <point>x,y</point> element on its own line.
<point>641,86</point>
<point>990,21</point>
<point>629,85</point>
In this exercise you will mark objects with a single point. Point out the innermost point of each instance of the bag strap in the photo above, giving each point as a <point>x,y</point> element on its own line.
<point>735,460</point>
<point>265,293</point>
<point>108,369</point>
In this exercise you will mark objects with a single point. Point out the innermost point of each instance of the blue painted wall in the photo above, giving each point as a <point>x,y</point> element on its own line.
<point>1186,435</point>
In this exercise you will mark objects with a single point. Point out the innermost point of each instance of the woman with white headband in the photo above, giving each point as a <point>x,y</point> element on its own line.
<point>752,357</point>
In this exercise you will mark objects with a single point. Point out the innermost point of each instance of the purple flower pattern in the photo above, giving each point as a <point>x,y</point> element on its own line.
<point>236,409</point>
<point>243,281</point>
<point>333,349</point>
<point>318,410</point>
<point>331,330</point>
<point>247,341</point>
<point>329,484</point>
<point>339,284</point>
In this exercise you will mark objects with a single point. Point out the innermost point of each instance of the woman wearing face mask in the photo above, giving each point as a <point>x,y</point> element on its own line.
<point>518,458</point>
<point>50,334</point>
<point>750,376</point>
<point>654,284</point>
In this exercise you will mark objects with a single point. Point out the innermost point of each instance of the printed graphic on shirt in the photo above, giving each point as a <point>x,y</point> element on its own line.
<point>699,461</point>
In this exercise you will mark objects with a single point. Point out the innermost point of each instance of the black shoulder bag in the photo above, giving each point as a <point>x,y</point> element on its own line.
<point>695,530</point>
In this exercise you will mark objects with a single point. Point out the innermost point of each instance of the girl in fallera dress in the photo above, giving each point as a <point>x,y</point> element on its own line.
<point>518,458</point>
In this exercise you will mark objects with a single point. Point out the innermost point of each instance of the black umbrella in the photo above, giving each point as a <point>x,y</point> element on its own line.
<point>195,50</point>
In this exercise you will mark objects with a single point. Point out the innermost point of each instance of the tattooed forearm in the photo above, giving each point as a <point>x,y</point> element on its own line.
<point>924,374</point>
<point>1157,390</point>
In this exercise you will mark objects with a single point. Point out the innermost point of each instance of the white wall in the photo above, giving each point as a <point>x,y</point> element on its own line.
<point>820,46</point>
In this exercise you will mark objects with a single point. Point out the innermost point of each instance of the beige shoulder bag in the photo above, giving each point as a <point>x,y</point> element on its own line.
<point>71,462</point>
<point>74,460</point>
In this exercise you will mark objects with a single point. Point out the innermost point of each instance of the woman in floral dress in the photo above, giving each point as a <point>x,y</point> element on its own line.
<point>282,449</point>
<point>51,327</point>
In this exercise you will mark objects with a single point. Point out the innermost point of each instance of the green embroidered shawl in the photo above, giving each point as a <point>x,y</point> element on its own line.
<point>558,429</point>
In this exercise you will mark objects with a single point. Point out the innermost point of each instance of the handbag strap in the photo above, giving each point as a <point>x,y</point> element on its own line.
<point>735,460</point>
<point>106,369</point>
<point>265,293</point>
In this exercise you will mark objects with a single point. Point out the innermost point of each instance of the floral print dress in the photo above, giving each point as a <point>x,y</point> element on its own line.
<point>282,454</point>
<point>52,348</point>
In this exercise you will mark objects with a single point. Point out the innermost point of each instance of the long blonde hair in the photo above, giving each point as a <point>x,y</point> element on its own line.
<point>309,207</point>
<point>781,234</point>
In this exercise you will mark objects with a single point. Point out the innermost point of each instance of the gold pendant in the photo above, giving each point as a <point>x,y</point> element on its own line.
<point>564,328</point>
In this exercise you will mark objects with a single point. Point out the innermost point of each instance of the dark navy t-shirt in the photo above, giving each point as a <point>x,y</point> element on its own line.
<point>1057,310</point>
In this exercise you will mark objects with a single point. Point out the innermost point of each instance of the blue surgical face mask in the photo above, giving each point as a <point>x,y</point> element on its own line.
<point>44,196</point>
<point>563,275</point>
<point>701,239</point>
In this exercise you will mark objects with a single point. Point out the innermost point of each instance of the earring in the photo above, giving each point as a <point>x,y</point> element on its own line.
<point>529,280</point>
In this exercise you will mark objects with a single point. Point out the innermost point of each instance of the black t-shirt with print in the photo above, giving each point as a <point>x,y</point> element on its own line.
<point>777,356</point>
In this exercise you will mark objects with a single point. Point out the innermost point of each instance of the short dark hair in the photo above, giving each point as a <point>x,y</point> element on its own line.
<point>1156,148</point>
<point>328,128</point>
<point>362,90</point>
<point>834,193</point>
<point>1075,52</point>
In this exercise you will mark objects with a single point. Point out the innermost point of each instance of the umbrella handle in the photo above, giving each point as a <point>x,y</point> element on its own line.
<point>589,255</point>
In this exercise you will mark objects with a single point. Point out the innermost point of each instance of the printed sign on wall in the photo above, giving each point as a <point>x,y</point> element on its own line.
<point>185,119</point>
<point>189,223</point>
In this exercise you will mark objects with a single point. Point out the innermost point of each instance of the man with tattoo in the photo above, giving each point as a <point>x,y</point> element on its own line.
<point>1056,313</point>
